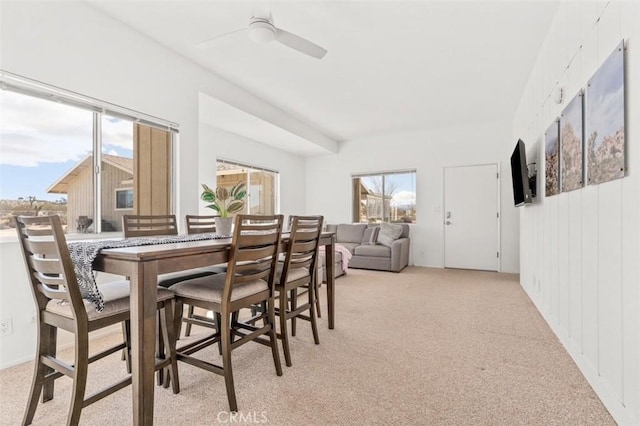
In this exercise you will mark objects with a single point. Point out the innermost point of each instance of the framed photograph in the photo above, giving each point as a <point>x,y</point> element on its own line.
<point>552,159</point>
<point>571,145</point>
<point>604,120</point>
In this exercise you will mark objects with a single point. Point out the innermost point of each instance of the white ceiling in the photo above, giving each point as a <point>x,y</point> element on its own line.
<point>391,66</point>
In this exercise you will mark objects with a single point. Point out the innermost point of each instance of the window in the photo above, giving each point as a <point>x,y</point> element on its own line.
<point>262,185</point>
<point>73,156</point>
<point>124,199</point>
<point>385,197</point>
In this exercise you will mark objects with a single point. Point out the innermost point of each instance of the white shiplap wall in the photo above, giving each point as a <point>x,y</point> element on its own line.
<point>580,251</point>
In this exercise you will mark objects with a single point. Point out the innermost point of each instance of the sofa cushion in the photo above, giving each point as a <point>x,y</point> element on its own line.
<point>405,230</point>
<point>350,246</point>
<point>350,233</point>
<point>389,232</point>
<point>370,235</point>
<point>373,251</point>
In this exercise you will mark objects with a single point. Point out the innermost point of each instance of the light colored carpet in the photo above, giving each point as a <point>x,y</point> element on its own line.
<point>426,346</point>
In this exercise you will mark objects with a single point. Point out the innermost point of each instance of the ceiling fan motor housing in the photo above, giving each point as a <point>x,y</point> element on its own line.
<point>262,30</point>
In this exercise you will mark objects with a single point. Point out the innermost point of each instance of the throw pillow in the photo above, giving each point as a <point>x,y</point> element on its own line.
<point>389,232</point>
<point>370,236</point>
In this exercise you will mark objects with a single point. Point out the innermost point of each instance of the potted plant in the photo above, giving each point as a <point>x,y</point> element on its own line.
<point>225,202</point>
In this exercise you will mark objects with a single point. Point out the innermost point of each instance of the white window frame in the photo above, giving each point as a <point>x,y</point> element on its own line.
<point>129,189</point>
<point>383,174</point>
<point>28,87</point>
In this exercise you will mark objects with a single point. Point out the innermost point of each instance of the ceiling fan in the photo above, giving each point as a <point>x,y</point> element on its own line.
<point>261,29</point>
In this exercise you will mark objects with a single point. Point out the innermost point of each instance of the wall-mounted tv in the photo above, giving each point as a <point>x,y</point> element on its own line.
<point>522,193</point>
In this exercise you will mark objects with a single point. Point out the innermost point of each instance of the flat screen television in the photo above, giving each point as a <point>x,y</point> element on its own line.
<point>520,175</point>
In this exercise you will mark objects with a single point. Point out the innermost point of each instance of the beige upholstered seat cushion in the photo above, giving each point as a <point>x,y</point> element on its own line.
<point>169,279</point>
<point>373,250</point>
<point>294,274</point>
<point>209,289</point>
<point>116,301</point>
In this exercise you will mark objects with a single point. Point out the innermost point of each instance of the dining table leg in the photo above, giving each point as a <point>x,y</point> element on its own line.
<point>331,279</point>
<point>143,332</point>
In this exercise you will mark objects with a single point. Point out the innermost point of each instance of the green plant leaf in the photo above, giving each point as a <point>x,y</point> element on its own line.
<point>238,191</point>
<point>235,206</point>
<point>222,193</point>
<point>208,197</point>
<point>208,194</point>
<point>214,207</point>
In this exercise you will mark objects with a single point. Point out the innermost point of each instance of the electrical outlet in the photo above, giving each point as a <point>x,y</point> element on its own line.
<point>6,327</point>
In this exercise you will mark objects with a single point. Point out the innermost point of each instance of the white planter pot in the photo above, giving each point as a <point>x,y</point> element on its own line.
<point>223,226</point>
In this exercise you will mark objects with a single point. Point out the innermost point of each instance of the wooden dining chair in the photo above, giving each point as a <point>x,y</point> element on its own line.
<point>139,226</point>
<point>136,226</point>
<point>249,280</point>
<point>149,225</point>
<point>60,305</point>
<point>298,271</point>
<point>197,224</point>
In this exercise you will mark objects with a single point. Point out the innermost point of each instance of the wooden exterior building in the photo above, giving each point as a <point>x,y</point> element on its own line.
<point>117,190</point>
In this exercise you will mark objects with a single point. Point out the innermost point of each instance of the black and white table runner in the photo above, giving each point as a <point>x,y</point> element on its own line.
<point>83,253</point>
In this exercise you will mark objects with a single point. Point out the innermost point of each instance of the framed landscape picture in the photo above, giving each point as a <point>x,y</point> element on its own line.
<point>604,120</point>
<point>571,145</point>
<point>552,160</point>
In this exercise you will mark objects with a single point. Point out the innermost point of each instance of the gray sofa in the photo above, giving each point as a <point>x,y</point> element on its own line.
<point>366,252</point>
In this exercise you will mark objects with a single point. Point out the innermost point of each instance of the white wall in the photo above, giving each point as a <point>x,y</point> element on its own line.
<point>74,46</point>
<point>580,250</point>
<point>428,151</point>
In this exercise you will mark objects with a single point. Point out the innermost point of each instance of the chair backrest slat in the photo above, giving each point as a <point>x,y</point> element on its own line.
<point>49,265</point>
<point>149,225</point>
<point>254,251</point>
<point>42,247</point>
<point>300,247</point>
<point>201,224</point>
<point>45,265</point>
<point>249,253</point>
<point>302,251</point>
<point>256,240</point>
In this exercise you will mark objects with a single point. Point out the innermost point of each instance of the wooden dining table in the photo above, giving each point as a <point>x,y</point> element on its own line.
<point>143,264</point>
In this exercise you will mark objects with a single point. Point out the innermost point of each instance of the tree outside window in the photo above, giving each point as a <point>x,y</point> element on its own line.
<point>385,197</point>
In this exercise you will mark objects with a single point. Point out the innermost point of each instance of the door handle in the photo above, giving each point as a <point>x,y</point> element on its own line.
<point>448,222</point>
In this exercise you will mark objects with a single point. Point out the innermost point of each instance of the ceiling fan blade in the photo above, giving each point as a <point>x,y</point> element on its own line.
<point>222,38</point>
<point>300,44</point>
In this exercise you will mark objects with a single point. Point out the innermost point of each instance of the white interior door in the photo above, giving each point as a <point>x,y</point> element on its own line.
<point>471,217</point>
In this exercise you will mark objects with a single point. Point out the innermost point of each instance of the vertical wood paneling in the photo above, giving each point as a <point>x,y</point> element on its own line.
<point>160,171</point>
<point>547,259</point>
<point>630,16</point>
<point>552,250</point>
<point>80,196</point>
<point>598,229</point>
<point>152,171</point>
<point>575,267</point>
<point>631,293</point>
<point>538,259</point>
<point>142,169</point>
<point>113,178</point>
<point>609,30</point>
<point>590,275</point>
<point>563,262</point>
<point>610,284</point>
